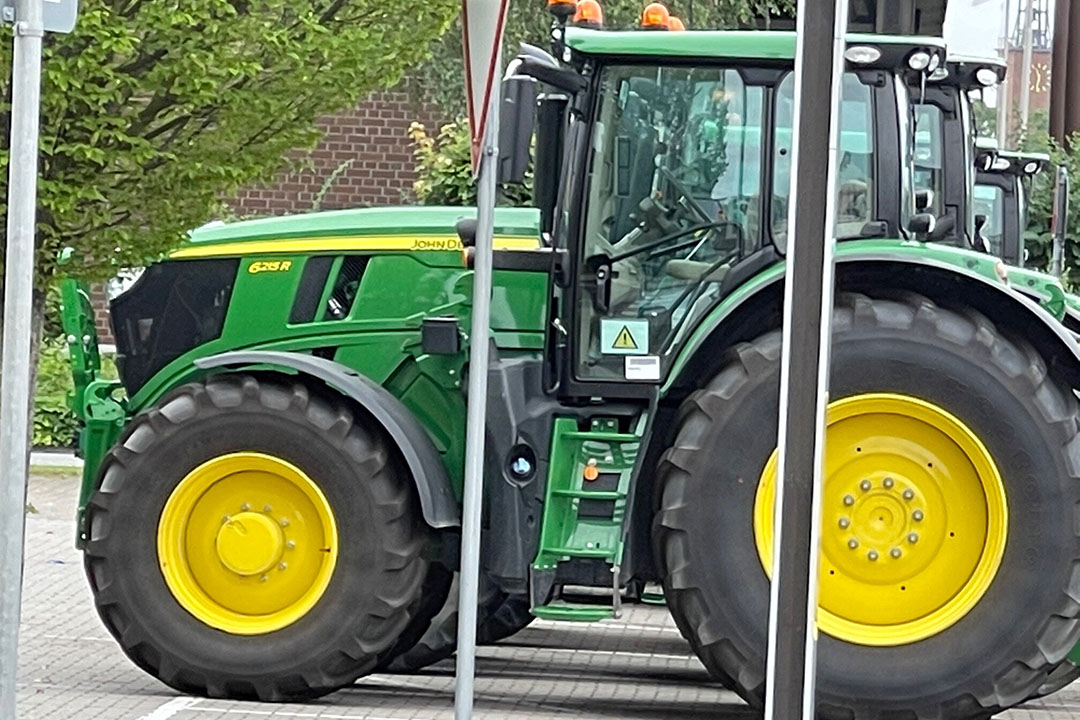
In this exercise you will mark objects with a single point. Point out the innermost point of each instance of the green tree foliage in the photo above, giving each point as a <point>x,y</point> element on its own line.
<point>154,111</point>
<point>444,169</point>
<point>1038,239</point>
<point>442,78</point>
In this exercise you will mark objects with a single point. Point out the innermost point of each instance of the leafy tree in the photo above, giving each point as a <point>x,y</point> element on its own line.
<point>442,79</point>
<point>154,111</point>
<point>444,169</point>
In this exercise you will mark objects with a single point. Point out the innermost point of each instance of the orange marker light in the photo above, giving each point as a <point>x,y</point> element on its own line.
<point>589,14</point>
<point>591,472</point>
<point>655,17</point>
<point>675,24</point>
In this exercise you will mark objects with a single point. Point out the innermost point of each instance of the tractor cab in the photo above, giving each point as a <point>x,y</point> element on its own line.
<point>1002,185</point>
<point>677,179</point>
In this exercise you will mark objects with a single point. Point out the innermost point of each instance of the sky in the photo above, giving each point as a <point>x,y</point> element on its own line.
<point>974,27</point>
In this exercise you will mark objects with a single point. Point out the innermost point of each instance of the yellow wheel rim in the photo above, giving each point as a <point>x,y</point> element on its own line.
<point>247,543</point>
<point>914,520</point>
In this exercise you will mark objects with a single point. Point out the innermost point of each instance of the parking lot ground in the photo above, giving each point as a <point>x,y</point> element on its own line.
<point>638,667</point>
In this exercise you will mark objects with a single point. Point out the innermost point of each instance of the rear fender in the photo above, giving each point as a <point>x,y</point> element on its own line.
<point>756,308</point>
<point>437,501</point>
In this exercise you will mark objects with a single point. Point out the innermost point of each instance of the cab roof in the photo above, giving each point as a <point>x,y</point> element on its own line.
<point>721,44</point>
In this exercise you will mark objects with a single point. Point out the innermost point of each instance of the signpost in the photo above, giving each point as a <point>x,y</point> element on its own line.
<point>31,19</point>
<point>804,374</point>
<point>483,22</point>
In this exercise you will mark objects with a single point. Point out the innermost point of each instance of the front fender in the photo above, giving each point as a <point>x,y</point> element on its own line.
<point>949,276</point>
<point>437,501</point>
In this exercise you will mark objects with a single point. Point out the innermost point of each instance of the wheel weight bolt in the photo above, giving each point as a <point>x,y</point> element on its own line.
<point>853,543</point>
<point>895,552</point>
<point>872,555</point>
<point>909,494</point>
<point>848,500</point>
<point>865,485</point>
<point>917,516</point>
<point>844,523</point>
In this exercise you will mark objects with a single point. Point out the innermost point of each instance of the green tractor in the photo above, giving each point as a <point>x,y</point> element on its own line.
<point>271,497</point>
<point>948,161</point>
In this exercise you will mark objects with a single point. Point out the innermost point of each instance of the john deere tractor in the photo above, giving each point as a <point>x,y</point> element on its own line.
<point>271,498</point>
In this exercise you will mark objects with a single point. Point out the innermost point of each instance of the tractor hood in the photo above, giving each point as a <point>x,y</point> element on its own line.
<point>362,229</point>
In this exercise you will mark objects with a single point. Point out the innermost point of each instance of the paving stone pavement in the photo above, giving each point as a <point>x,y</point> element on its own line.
<point>638,668</point>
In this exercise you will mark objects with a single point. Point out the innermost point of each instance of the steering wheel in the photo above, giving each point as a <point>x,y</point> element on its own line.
<point>694,204</point>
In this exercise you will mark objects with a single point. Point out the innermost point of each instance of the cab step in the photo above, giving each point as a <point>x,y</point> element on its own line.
<point>585,511</point>
<point>574,612</point>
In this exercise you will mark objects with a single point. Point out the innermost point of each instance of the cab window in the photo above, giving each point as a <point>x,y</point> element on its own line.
<point>929,152</point>
<point>673,201</point>
<point>855,205</point>
<point>990,201</point>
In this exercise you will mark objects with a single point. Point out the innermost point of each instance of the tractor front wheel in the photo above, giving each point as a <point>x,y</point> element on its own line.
<point>254,539</point>
<point>950,550</point>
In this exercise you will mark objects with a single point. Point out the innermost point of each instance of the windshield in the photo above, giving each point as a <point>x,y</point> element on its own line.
<point>676,195</point>
<point>990,201</point>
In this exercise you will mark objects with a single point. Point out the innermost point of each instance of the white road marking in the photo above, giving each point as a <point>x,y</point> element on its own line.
<point>290,714</point>
<point>172,707</point>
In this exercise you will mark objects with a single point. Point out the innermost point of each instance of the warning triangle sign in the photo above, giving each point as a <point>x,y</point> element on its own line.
<point>625,340</point>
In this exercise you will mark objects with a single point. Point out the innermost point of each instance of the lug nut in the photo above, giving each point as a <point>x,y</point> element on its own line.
<point>909,494</point>
<point>291,544</point>
<point>917,516</point>
<point>888,482</point>
<point>853,543</point>
<point>865,485</point>
<point>225,519</point>
<point>895,552</point>
<point>284,522</point>
<point>913,538</point>
<point>848,500</point>
<point>282,566</point>
<point>844,523</point>
<point>264,578</point>
<point>872,555</point>
<point>267,508</point>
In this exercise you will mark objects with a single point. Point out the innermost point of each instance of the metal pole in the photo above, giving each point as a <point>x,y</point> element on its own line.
<point>1025,72</point>
<point>18,303</point>
<point>476,418</point>
<point>804,374</point>
<point>1003,88</point>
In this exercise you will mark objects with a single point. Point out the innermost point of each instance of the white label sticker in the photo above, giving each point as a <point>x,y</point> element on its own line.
<point>643,368</point>
<point>622,336</point>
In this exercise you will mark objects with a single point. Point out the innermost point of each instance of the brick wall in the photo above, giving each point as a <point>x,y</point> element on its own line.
<point>369,144</point>
<point>368,147</point>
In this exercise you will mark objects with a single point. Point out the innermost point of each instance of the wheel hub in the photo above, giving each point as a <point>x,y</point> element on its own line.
<point>250,543</point>
<point>914,521</point>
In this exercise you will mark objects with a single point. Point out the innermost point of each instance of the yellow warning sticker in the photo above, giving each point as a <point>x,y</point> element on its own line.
<point>624,336</point>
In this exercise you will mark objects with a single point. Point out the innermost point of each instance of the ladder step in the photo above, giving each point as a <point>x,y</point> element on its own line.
<point>579,552</point>
<point>596,495</point>
<point>602,437</point>
<point>574,612</point>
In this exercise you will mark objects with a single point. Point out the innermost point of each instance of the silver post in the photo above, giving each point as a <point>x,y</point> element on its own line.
<point>1002,130</point>
<point>1025,70</point>
<point>804,365</point>
<point>476,417</point>
<point>18,303</point>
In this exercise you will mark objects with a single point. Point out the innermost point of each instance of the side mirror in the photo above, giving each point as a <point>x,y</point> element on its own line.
<point>921,225</point>
<point>517,115</point>
<point>924,199</point>
<point>547,171</point>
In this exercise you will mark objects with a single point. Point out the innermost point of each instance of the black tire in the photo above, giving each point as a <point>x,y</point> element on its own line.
<point>432,599</point>
<point>377,577</point>
<point>1059,678</point>
<point>1001,650</point>
<point>498,617</point>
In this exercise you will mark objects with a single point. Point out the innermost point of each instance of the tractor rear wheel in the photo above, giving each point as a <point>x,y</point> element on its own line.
<point>254,539</point>
<point>949,547</point>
